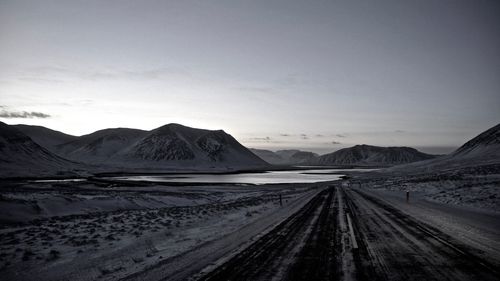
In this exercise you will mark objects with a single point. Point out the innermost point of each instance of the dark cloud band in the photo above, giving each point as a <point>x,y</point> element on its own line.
<point>23,114</point>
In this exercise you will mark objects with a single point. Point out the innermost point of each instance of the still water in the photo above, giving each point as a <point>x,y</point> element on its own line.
<point>297,176</point>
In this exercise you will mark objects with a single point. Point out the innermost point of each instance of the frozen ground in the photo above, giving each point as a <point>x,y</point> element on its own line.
<point>89,231</point>
<point>474,190</point>
<point>478,228</point>
<point>357,229</point>
<point>347,233</point>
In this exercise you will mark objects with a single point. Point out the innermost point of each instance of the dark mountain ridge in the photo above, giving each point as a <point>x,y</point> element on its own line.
<point>169,146</point>
<point>45,137</point>
<point>20,155</point>
<point>480,155</point>
<point>486,144</point>
<point>100,145</point>
<point>190,146</point>
<point>285,157</point>
<point>373,155</point>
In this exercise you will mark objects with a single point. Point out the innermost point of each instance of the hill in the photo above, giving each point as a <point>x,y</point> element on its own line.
<point>480,155</point>
<point>485,146</point>
<point>169,146</point>
<point>285,157</point>
<point>45,137</point>
<point>100,145</point>
<point>21,156</point>
<point>373,156</point>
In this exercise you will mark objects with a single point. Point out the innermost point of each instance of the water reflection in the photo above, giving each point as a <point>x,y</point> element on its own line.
<point>297,176</point>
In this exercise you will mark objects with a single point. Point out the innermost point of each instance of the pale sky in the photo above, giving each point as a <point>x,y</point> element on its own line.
<point>313,75</point>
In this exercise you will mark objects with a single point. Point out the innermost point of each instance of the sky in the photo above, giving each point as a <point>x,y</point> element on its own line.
<point>312,75</point>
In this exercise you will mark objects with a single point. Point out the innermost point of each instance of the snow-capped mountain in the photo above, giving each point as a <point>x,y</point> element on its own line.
<point>268,156</point>
<point>21,156</point>
<point>373,155</point>
<point>285,157</point>
<point>178,145</point>
<point>100,145</point>
<point>169,146</point>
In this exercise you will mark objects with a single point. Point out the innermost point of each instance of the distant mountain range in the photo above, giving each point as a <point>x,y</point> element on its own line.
<point>172,146</point>
<point>480,154</point>
<point>286,157</point>
<point>359,155</point>
<point>34,150</point>
<point>368,155</point>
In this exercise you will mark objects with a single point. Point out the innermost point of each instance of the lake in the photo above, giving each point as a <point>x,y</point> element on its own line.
<point>296,176</point>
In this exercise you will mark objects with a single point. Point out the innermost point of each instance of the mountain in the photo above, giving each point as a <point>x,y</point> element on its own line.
<point>286,153</point>
<point>169,146</point>
<point>373,155</point>
<point>268,156</point>
<point>100,145</point>
<point>45,137</point>
<point>21,156</point>
<point>485,146</point>
<point>303,157</point>
<point>175,144</point>
<point>480,155</point>
<point>285,157</point>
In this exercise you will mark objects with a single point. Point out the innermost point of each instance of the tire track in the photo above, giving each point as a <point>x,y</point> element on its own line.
<point>378,242</point>
<point>318,258</point>
<point>258,261</point>
<point>402,247</point>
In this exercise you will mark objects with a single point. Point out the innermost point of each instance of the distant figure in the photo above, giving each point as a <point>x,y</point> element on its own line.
<point>407,196</point>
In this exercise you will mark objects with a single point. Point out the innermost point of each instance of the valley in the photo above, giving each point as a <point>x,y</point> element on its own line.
<point>196,216</point>
<point>278,140</point>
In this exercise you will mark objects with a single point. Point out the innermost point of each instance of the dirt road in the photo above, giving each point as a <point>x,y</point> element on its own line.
<point>348,234</point>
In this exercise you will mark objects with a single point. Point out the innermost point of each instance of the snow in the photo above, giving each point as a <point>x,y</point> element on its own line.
<point>475,191</point>
<point>478,228</point>
<point>110,232</point>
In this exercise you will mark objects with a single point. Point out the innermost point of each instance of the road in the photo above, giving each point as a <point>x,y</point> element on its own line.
<point>349,234</point>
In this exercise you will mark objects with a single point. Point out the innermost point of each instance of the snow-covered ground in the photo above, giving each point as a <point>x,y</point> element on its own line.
<point>86,231</point>
<point>477,228</point>
<point>479,191</point>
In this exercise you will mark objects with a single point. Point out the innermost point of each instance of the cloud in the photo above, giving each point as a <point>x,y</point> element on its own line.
<point>340,136</point>
<point>319,135</point>
<point>266,139</point>
<point>400,131</point>
<point>22,114</point>
<point>304,136</point>
<point>336,142</point>
<point>285,135</point>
